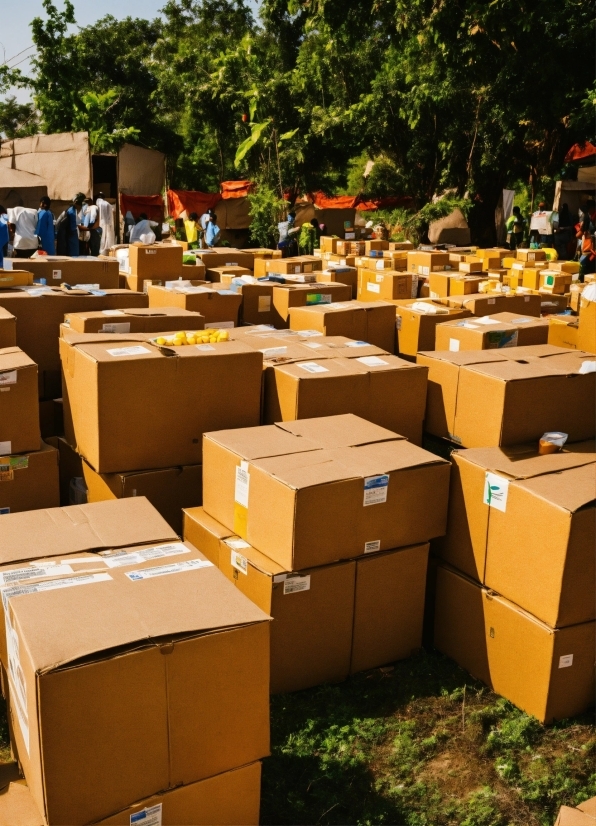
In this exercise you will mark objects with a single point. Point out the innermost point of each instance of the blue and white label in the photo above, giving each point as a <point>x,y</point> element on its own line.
<point>149,816</point>
<point>496,490</point>
<point>375,489</point>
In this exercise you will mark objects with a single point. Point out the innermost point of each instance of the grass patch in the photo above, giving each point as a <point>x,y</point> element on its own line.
<point>420,744</point>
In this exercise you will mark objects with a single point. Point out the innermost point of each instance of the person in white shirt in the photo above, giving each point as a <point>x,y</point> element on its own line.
<point>91,225</point>
<point>143,227</point>
<point>106,223</point>
<point>24,223</point>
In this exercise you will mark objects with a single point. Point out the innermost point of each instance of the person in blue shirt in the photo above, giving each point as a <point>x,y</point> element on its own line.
<point>45,226</point>
<point>4,236</point>
<point>72,227</point>
<point>212,232</point>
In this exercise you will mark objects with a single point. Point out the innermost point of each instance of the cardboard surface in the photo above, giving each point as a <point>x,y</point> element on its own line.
<point>169,490</point>
<point>57,269</point>
<point>29,481</point>
<point>470,335</point>
<point>309,508</point>
<point>534,543</point>
<point>162,261</point>
<point>135,406</point>
<point>547,673</point>
<point>19,409</point>
<point>182,635</point>
<point>218,307</point>
<point>481,305</point>
<point>416,330</point>
<point>373,321</point>
<point>8,329</point>
<point>286,296</point>
<point>145,320</point>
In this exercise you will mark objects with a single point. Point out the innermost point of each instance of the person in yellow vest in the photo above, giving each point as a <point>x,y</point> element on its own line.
<point>193,230</point>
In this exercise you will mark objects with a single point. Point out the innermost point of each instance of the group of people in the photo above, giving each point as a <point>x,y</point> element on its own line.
<point>570,237</point>
<point>85,228</point>
<point>202,232</point>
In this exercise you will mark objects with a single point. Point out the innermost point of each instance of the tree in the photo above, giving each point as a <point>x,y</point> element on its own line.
<point>17,120</point>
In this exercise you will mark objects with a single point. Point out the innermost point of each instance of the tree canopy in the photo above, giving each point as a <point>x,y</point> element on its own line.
<point>394,97</point>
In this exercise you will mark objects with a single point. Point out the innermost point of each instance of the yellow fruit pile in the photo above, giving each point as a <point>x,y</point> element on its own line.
<point>193,337</point>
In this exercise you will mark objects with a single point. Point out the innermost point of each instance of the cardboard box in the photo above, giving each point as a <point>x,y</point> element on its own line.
<point>10,277</point>
<point>216,643</point>
<point>328,243</point>
<point>388,285</point>
<point>484,333</point>
<point>305,507</point>
<point>401,245</point>
<point>530,255</point>
<point>19,408</point>
<point>220,308</point>
<point>39,314</point>
<point>343,274</point>
<point>530,330</point>
<point>548,673</point>
<point>216,273</point>
<point>102,272</point>
<point>416,328</point>
<point>480,305</point>
<point>531,537</point>
<point>149,261</point>
<point>286,266</point>
<point>583,815</point>
<point>586,338</point>
<point>373,322</point>
<point>375,244</point>
<point>205,533</point>
<point>29,481</point>
<point>374,263</point>
<point>565,266</point>
<point>144,320</point>
<point>563,331</point>
<point>257,300</point>
<point>423,263</point>
<point>464,285</point>
<point>135,406</point>
<point>333,386</point>
<point>287,296</point>
<point>169,490</point>
<point>575,291</point>
<point>555,282</point>
<point>471,264</point>
<point>228,798</point>
<point>226,257</point>
<point>8,329</point>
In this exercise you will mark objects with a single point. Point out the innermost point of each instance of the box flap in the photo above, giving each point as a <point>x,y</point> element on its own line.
<point>259,442</point>
<point>104,351</point>
<point>126,606</point>
<point>523,461</point>
<point>570,489</point>
<point>535,350</point>
<point>463,357</point>
<point>13,358</point>
<point>510,370</point>
<point>346,430</point>
<point>111,524</point>
<point>588,807</point>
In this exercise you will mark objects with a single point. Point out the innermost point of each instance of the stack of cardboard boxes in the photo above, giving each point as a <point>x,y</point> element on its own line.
<point>324,523</point>
<point>122,653</point>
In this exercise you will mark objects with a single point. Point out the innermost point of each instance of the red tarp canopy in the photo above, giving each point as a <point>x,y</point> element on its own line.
<point>235,189</point>
<point>322,201</point>
<point>580,151</point>
<point>181,200</point>
<point>151,205</point>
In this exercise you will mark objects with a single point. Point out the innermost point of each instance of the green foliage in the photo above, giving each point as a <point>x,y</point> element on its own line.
<point>17,120</point>
<point>267,209</point>
<point>410,225</point>
<point>93,118</point>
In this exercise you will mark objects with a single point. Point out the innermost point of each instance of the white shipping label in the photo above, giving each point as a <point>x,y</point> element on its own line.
<point>294,584</point>
<point>128,351</point>
<point>10,377</point>
<point>5,448</point>
<point>149,816</point>
<point>308,333</point>
<point>56,275</point>
<point>357,344</point>
<point>454,345</point>
<point>522,320</point>
<point>123,327</point>
<point>375,489</point>
<point>312,367</point>
<point>398,323</point>
<point>264,303</point>
<point>373,288</point>
<point>239,562</point>
<point>314,345</point>
<point>565,661</point>
<point>221,325</point>
<point>236,544</point>
<point>33,572</point>
<point>204,348</point>
<point>467,325</point>
<point>496,490</point>
<point>486,319</point>
<point>279,578</point>
<point>118,559</point>
<point>370,547</point>
<point>372,361</point>
<point>242,485</point>
<point>491,300</point>
<point>174,568</point>
<point>587,367</point>
<point>379,278</point>
<point>112,312</point>
<point>51,585</point>
<point>272,352</point>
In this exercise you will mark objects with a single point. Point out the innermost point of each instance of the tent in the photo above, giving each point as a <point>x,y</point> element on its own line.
<point>18,188</point>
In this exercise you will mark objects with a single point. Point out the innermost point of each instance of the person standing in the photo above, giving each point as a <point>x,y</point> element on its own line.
<point>106,224</point>
<point>213,232</point>
<point>542,221</point>
<point>45,227</point>
<point>72,225</point>
<point>143,227</point>
<point>192,228</point>
<point>23,222</point>
<point>91,225</point>
<point>515,229</point>
<point>4,235</point>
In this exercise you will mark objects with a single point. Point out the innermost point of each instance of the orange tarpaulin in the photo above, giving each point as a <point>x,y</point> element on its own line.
<point>151,205</point>
<point>187,200</point>
<point>322,201</point>
<point>580,151</point>
<point>235,189</point>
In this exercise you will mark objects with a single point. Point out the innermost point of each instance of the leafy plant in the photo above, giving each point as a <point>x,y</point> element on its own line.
<point>267,209</point>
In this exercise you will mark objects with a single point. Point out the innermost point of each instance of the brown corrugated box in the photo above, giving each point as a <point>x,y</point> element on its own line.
<point>583,815</point>
<point>388,285</point>
<point>144,320</point>
<point>226,256</point>
<point>143,645</point>
<point>310,492</point>
<point>10,277</point>
<point>8,329</point>
<point>29,481</point>
<point>549,673</point>
<point>475,334</point>
<point>162,261</point>
<point>136,406</point>
<point>257,297</point>
<point>534,543</point>
<point>39,315</point>
<point>531,330</point>
<point>224,800</point>
<point>169,489</point>
<point>225,273</point>
<point>423,263</point>
<point>58,269</point>
<point>416,329</point>
<point>586,339</point>
<point>373,322</point>
<point>331,620</point>
<point>480,304</point>
<point>343,274</point>
<point>220,308</point>
<point>19,407</point>
<point>302,295</point>
<point>385,390</point>
<point>530,255</point>
<point>563,331</point>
